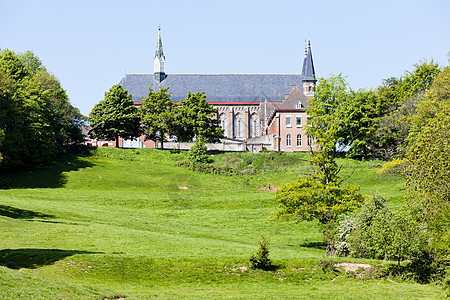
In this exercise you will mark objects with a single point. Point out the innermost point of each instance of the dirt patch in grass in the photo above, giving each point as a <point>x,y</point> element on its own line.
<point>352,267</point>
<point>269,187</point>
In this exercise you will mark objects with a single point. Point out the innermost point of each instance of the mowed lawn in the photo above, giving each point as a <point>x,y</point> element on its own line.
<point>132,224</point>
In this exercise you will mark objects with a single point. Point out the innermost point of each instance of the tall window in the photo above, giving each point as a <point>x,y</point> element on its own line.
<point>254,126</point>
<point>238,126</point>
<point>223,124</point>
<point>298,121</point>
<point>288,140</point>
<point>299,140</point>
<point>298,105</point>
<point>288,121</point>
<point>309,140</point>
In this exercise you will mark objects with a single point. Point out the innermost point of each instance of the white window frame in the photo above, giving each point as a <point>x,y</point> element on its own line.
<point>289,125</point>
<point>299,139</point>
<point>296,121</point>
<point>288,140</point>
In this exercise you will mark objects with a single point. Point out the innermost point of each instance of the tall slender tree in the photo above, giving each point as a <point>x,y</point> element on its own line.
<point>320,195</point>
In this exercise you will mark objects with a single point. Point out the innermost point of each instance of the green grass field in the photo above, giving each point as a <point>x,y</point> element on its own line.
<point>116,224</point>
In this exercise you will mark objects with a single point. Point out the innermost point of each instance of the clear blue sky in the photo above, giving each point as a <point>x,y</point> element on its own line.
<point>90,45</point>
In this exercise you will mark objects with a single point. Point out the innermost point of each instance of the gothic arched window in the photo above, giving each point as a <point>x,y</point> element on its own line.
<point>223,124</point>
<point>299,140</point>
<point>254,125</point>
<point>238,126</point>
<point>288,140</point>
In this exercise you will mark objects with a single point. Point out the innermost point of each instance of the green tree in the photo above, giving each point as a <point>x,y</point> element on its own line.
<point>158,115</point>
<point>31,112</point>
<point>324,126</point>
<point>31,62</point>
<point>431,104</point>
<point>65,119</point>
<point>11,63</point>
<point>320,195</point>
<point>358,115</point>
<point>115,116</point>
<point>401,98</point>
<point>197,118</point>
<point>429,170</point>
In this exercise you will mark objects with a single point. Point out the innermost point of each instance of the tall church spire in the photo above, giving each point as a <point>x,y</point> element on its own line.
<point>159,60</point>
<point>309,75</point>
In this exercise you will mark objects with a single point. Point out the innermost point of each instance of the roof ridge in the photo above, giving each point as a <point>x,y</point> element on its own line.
<point>299,75</point>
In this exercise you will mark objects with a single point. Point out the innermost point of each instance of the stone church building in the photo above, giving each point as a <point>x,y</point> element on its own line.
<point>255,111</point>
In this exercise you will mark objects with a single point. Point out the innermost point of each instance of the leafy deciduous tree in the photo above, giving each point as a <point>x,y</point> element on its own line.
<point>115,116</point>
<point>197,118</point>
<point>320,196</point>
<point>429,170</point>
<point>30,112</point>
<point>158,115</point>
<point>401,97</point>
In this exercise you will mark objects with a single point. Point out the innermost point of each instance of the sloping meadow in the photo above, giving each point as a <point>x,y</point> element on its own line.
<point>123,223</point>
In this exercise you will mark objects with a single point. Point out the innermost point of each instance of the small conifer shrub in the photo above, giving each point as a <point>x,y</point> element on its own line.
<point>261,260</point>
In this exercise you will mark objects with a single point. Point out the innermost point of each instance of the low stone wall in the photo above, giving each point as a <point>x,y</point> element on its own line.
<point>223,145</point>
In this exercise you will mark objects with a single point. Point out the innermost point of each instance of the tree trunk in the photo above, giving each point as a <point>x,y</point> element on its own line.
<point>117,141</point>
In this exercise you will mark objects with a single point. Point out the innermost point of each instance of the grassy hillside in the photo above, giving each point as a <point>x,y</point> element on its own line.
<point>131,223</point>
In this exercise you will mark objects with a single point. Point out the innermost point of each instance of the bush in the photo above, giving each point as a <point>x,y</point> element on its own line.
<point>199,152</point>
<point>328,266</point>
<point>344,229</point>
<point>261,260</point>
<point>394,167</point>
<point>446,282</point>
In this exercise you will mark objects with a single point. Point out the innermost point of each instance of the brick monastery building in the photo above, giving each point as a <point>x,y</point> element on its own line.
<point>255,111</point>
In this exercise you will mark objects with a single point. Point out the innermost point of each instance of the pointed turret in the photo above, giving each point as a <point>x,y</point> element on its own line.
<point>159,60</point>
<point>309,75</point>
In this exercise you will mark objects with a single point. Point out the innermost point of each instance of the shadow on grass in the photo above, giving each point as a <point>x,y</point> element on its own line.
<point>17,213</point>
<point>34,258</point>
<point>47,176</point>
<point>316,245</point>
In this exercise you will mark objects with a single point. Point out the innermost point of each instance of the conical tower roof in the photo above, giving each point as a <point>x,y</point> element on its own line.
<point>308,65</point>
<point>159,47</point>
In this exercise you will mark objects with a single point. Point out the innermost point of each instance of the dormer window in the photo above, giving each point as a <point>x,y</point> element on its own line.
<point>299,105</point>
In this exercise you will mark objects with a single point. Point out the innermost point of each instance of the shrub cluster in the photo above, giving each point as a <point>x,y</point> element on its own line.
<point>378,232</point>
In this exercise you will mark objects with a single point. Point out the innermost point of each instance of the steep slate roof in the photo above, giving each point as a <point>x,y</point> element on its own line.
<point>291,101</point>
<point>217,88</point>
<point>308,66</point>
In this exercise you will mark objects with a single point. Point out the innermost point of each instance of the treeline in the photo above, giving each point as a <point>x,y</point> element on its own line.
<point>158,117</point>
<point>383,122</point>
<point>37,120</point>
